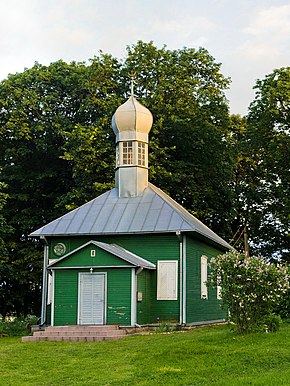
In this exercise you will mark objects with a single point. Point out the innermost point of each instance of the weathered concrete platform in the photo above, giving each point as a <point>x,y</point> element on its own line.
<point>76,334</point>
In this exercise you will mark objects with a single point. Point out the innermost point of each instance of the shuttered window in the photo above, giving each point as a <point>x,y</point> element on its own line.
<point>203,277</point>
<point>167,271</point>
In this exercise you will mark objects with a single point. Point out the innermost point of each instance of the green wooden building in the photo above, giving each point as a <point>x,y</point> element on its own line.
<point>131,256</point>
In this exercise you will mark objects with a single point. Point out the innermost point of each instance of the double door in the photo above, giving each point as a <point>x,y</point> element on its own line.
<point>92,298</point>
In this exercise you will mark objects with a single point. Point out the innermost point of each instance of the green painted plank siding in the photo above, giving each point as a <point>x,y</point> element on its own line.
<point>118,296</point>
<point>150,247</point>
<point>144,305</point>
<point>198,309</point>
<point>65,297</point>
<point>153,248</point>
<point>83,258</point>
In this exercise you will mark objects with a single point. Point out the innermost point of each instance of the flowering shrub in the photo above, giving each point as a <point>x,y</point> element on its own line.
<point>250,288</point>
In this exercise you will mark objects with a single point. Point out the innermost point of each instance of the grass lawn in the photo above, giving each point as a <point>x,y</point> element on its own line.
<point>203,356</point>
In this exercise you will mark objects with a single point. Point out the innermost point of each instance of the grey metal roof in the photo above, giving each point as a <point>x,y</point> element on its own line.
<point>153,211</point>
<point>115,250</point>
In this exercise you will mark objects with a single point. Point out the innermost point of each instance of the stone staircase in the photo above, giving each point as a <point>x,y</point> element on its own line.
<point>76,334</point>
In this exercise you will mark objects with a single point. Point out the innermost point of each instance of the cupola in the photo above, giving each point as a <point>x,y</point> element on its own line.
<point>131,124</point>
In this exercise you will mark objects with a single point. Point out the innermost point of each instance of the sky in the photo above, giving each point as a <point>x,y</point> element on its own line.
<point>250,38</point>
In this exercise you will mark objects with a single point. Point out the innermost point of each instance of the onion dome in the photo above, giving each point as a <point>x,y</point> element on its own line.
<point>131,116</point>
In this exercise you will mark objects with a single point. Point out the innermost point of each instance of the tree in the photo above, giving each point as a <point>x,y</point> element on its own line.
<point>44,112</point>
<point>5,304</point>
<point>57,147</point>
<point>3,223</point>
<point>189,155</point>
<point>267,184</point>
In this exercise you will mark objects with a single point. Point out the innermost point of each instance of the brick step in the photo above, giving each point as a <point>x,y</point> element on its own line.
<point>82,328</point>
<point>76,334</point>
<point>56,338</point>
<point>79,333</point>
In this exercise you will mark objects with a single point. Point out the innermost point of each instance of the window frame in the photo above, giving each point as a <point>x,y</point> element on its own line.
<point>128,152</point>
<point>141,154</point>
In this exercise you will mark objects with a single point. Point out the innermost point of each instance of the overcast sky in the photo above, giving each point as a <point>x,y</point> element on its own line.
<point>249,37</point>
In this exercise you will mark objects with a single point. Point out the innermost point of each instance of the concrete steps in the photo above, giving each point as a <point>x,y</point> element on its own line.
<point>76,334</point>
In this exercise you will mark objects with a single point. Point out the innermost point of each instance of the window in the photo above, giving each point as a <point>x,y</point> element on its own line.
<point>127,153</point>
<point>203,277</point>
<point>167,285</point>
<point>141,153</point>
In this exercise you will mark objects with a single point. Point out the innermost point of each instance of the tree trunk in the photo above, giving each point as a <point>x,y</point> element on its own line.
<point>246,242</point>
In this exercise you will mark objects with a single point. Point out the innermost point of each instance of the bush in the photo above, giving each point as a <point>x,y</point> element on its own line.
<point>272,323</point>
<point>17,326</point>
<point>251,288</point>
<point>283,307</point>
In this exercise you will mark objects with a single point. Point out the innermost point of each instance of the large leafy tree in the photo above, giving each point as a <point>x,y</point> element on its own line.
<point>190,158</point>
<point>5,284</point>
<point>41,110</point>
<point>57,148</point>
<point>266,185</point>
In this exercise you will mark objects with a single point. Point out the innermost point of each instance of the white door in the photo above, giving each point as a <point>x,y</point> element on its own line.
<point>92,298</point>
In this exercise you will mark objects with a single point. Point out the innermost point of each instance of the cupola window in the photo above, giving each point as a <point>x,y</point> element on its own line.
<point>128,153</point>
<point>141,154</point>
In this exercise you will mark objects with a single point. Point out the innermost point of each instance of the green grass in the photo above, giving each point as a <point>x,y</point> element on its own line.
<point>203,356</point>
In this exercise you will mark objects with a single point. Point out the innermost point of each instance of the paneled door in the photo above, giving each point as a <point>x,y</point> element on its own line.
<point>92,299</point>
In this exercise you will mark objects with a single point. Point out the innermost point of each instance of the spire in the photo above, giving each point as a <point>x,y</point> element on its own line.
<point>132,76</point>
<point>131,124</point>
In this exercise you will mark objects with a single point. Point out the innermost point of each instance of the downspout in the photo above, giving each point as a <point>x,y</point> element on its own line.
<point>179,236</point>
<point>44,282</point>
<point>139,270</point>
<point>184,279</point>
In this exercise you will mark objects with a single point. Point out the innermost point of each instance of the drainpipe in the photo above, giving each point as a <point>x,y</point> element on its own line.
<point>134,298</point>
<point>139,270</point>
<point>179,236</point>
<point>44,282</point>
<point>184,279</point>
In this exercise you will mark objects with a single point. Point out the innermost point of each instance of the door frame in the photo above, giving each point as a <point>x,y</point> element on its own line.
<point>105,294</point>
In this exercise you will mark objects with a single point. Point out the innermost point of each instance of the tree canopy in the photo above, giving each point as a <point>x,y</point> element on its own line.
<point>57,148</point>
<point>268,143</point>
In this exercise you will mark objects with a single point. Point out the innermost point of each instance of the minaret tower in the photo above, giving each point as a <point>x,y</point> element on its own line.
<point>131,124</point>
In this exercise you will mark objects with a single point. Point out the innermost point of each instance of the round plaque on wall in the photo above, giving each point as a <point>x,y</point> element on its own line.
<point>59,249</point>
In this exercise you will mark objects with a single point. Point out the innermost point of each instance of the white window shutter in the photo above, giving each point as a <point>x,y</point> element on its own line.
<point>50,284</point>
<point>167,284</point>
<point>203,277</point>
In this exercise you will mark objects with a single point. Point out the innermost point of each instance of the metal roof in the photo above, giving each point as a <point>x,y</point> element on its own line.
<point>153,211</point>
<point>115,250</point>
